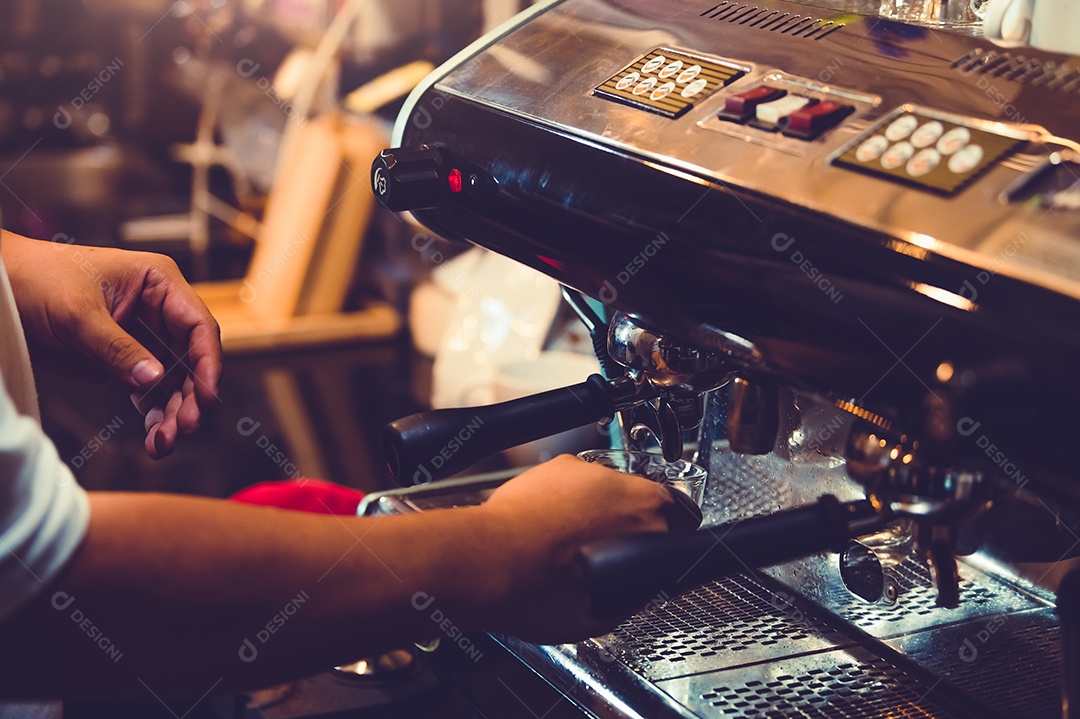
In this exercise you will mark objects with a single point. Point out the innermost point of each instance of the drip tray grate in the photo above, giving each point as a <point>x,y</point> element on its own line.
<point>729,622</point>
<point>916,608</point>
<point>850,683</point>
<point>1010,662</point>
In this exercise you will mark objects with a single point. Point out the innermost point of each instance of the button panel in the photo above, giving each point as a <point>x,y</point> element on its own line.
<point>741,106</point>
<point>667,82</point>
<point>929,151</point>
<point>773,115</point>
<point>811,121</point>
<point>795,109</point>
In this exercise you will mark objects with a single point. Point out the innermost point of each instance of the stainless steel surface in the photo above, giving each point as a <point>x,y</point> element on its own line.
<point>890,466</point>
<point>672,365</point>
<point>729,623</point>
<point>916,609</point>
<point>938,336</point>
<point>753,415</point>
<point>973,227</point>
<point>934,494</point>
<point>846,683</point>
<point>1011,662</point>
<point>678,374</point>
<point>793,640</point>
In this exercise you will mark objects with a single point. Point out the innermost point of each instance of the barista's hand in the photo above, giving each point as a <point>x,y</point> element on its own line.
<point>542,518</point>
<point>83,308</point>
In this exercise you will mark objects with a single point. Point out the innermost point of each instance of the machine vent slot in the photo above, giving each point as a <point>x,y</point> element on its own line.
<point>802,26</point>
<point>1016,67</point>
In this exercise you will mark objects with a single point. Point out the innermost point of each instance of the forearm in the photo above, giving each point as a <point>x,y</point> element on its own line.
<point>176,595</point>
<point>15,250</point>
<point>9,241</point>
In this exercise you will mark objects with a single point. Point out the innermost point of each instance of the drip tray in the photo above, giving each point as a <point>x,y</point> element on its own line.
<point>726,623</point>
<point>749,646</point>
<point>1010,662</point>
<point>916,609</point>
<point>850,683</point>
<point>745,646</point>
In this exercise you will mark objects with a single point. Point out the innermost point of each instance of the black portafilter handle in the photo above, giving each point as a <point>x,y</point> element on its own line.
<point>433,445</point>
<point>619,575</point>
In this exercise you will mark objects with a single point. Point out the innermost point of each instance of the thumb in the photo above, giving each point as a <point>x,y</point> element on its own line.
<point>118,353</point>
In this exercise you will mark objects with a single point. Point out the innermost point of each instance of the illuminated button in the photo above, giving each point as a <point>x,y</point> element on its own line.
<point>966,160</point>
<point>645,86</point>
<point>654,64</point>
<point>627,81</point>
<point>897,155</point>
<point>871,148</point>
<point>927,134</point>
<point>742,105</point>
<point>694,88</point>
<point>901,127</point>
<point>670,69</point>
<point>812,120</point>
<point>775,113</point>
<point>688,74</point>
<point>663,91</point>
<point>454,180</point>
<point>953,140</point>
<point>923,162</point>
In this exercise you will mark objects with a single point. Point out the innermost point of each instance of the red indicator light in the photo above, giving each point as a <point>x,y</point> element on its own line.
<point>454,178</point>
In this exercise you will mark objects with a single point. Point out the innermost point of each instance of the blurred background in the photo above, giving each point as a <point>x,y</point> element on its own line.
<point>236,137</point>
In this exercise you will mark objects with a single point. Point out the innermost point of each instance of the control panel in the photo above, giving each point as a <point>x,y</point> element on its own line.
<point>796,112</point>
<point>668,82</point>
<point>930,150</point>
<point>778,106</point>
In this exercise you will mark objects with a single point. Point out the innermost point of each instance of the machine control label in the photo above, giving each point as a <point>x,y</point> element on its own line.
<point>667,82</point>
<point>928,152</point>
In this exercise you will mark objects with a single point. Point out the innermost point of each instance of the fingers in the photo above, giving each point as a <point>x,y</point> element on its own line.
<point>186,318</point>
<point>162,428</point>
<point>169,413</point>
<point>188,414</point>
<point>117,352</point>
<point>186,337</point>
<point>205,347</point>
<point>683,514</point>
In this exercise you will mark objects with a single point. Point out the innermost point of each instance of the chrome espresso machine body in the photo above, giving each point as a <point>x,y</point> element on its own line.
<point>839,256</point>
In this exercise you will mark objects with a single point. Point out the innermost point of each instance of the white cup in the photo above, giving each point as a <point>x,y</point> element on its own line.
<point>1055,26</point>
<point>550,370</point>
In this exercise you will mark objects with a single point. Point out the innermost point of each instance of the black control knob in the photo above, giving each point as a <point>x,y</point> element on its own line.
<point>409,178</point>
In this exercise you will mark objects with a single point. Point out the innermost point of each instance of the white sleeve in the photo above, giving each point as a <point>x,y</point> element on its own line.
<point>44,513</point>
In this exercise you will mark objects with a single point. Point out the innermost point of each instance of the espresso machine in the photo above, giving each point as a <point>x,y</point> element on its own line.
<point>833,259</point>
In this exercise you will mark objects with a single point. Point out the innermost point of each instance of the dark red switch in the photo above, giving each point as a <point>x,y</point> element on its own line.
<point>812,120</point>
<point>740,107</point>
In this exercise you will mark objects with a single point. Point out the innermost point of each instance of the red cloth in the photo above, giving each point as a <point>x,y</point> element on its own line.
<point>302,495</point>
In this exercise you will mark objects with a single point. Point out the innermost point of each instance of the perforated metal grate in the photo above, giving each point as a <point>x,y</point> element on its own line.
<point>802,26</point>
<point>916,608</point>
<point>1009,662</point>
<point>918,598</point>
<point>726,623</point>
<point>847,690</point>
<point>741,487</point>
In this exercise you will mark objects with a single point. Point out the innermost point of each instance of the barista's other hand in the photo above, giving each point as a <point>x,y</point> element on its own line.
<point>542,518</point>
<point>103,313</point>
